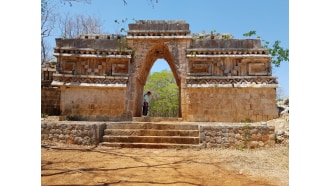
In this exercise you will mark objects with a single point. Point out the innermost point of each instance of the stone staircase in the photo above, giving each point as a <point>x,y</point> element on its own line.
<point>151,135</point>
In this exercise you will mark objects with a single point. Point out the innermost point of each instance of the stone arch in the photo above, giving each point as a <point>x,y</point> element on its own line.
<point>158,50</point>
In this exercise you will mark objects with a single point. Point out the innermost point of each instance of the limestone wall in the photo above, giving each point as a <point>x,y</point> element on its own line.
<point>50,101</point>
<point>80,133</point>
<point>93,103</point>
<point>244,136</point>
<point>229,104</point>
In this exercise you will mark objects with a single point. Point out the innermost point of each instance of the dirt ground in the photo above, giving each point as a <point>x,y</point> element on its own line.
<point>81,165</point>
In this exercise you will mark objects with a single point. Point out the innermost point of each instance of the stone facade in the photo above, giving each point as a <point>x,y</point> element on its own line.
<point>47,72</point>
<point>50,101</point>
<point>102,77</point>
<point>229,104</point>
<point>95,104</point>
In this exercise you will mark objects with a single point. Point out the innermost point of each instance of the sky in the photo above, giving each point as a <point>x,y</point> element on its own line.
<point>270,19</point>
<point>304,24</point>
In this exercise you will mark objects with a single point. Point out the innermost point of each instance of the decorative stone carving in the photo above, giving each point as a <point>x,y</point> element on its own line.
<point>212,81</point>
<point>240,70</point>
<point>120,69</point>
<point>200,69</point>
<point>85,80</point>
<point>257,69</point>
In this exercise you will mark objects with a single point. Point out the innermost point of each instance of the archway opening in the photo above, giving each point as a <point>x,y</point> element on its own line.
<point>164,100</point>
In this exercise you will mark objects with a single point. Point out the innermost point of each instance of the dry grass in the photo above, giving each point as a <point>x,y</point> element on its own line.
<point>270,162</point>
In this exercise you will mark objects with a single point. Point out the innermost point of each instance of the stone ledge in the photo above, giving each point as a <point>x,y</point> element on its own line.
<point>232,86</point>
<point>88,80</point>
<point>158,37</point>
<point>228,55</point>
<point>232,81</point>
<point>92,55</point>
<point>201,52</point>
<point>57,83</point>
<point>159,25</point>
<point>90,76</point>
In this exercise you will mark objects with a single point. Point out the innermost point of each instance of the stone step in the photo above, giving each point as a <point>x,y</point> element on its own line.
<point>150,132</point>
<point>152,139</point>
<point>156,119</point>
<point>151,135</point>
<point>150,145</point>
<point>158,126</point>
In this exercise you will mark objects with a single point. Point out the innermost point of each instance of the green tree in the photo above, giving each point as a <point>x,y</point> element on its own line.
<point>278,53</point>
<point>165,94</point>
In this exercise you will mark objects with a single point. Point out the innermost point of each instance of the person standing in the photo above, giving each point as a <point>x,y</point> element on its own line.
<point>146,103</point>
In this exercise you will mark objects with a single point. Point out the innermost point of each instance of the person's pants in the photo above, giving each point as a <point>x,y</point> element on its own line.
<point>145,110</point>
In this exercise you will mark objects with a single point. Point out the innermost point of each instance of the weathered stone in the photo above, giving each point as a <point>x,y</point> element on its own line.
<point>213,134</point>
<point>238,136</point>
<point>100,77</point>
<point>78,140</point>
<point>61,137</point>
<point>261,144</point>
<point>253,144</point>
<point>272,137</point>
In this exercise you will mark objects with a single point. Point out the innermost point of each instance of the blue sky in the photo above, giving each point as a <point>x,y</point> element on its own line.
<point>309,69</point>
<point>269,18</point>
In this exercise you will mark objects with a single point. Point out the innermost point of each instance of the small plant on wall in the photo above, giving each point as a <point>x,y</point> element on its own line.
<point>246,135</point>
<point>73,118</point>
<point>225,36</point>
<point>250,33</point>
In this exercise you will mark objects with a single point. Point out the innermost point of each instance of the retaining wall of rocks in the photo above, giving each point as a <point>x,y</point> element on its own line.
<point>211,136</point>
<point>242,136</point>
<point>79,133</point>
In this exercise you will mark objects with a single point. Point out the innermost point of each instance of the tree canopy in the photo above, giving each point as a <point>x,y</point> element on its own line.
<point>165,94</point>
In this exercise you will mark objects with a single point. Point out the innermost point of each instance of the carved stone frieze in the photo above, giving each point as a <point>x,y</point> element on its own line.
<point>71,52</point>
<point>60,79</point>
<point>257,69</point>
<point>225,52</point>
<point>228,66</point>
<point>200,69</point>
<point>120,69</point>
<point>245,81</point>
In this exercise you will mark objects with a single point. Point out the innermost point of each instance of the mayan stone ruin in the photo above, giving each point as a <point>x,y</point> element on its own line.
<point>220,79</point>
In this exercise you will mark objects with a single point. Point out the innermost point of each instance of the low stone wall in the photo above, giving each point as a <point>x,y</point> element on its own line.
<point>68,132</point>
<point>241,136</point>
<point>211,136</point>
